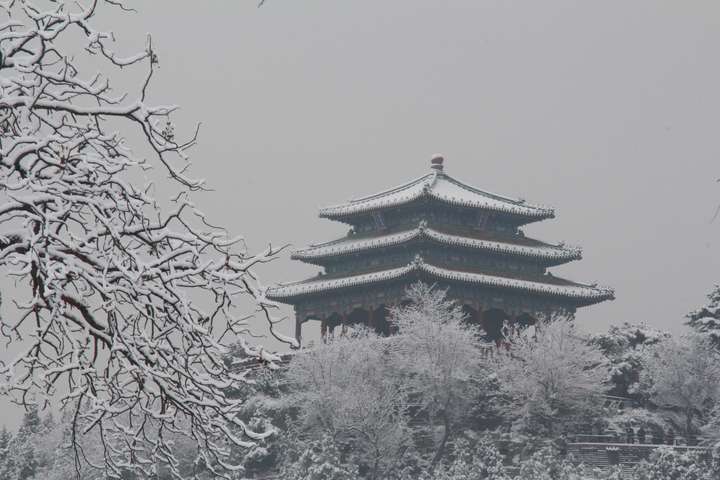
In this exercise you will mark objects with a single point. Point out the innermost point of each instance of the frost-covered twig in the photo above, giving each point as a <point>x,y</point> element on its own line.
<point>129,309</point>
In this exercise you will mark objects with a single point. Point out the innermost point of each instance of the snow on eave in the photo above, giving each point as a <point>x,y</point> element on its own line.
<point>503,198</point>
<point>583,293</point>
<point>355,204</point>
<point>427,179</point>
<point>347,247</point>
<point>432,186</point>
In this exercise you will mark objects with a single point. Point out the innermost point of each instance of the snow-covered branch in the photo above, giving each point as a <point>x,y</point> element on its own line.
<point>128,309</point>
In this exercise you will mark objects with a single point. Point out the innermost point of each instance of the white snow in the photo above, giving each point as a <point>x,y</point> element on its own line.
<point>576,291</point>
<point>441,187</point>
<point>549,252</point>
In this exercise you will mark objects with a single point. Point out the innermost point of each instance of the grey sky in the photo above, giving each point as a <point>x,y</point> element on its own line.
<point>607,111</point>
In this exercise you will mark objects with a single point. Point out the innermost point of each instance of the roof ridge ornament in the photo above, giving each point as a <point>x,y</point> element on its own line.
<point>427,187</point>
<point>437,163</point>
<point>422,226</point>
<point>418,261</point>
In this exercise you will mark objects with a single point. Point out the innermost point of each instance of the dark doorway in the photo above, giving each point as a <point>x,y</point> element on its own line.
<point>525,320</point>
<point>493,320</point>
<point>380,321</point>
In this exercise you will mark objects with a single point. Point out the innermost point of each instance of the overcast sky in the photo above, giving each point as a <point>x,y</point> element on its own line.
<point>607,111</point>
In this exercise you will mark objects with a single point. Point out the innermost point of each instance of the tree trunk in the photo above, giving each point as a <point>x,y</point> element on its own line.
<point>376,466</point>
<point>443,442</point>
<point>688,423</point>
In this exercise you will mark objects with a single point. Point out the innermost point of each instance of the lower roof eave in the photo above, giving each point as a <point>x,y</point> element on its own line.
<point>575,294</point>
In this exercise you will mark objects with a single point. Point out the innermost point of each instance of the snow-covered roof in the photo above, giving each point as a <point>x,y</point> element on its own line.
<point>347,246</point>
<point>574,291</point>
<point>439,186</point>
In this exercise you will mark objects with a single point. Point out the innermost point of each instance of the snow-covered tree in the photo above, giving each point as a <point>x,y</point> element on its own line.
<point>6,465</point>
<point>706,320</point>
<point>319,460</point>
<point>28,455</point>
<point>548,464</point>
<point>266,408</point>
<point>123,302</point>
<point>684,373</point>
<point>439,352</point>
<point>347,389</point>
<point>669,464</point>
<point>711,429</point>
<point>481,461</point>
<point>552,378</point>
<point>624,346</point>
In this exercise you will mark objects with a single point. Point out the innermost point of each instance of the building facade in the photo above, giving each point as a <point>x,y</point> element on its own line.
<point>441,231</point>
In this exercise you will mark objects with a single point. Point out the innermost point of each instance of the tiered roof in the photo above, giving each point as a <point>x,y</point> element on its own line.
<point>581,294</point>
<point>552,254</point>
<point>439,188</point>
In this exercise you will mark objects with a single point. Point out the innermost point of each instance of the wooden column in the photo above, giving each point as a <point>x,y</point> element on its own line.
<point>344,327</point>
<point>298,330</point>
<point>513,324</point>
<point>323,330</point>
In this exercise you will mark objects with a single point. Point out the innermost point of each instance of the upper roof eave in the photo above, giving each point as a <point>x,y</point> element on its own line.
<point>440,187</point>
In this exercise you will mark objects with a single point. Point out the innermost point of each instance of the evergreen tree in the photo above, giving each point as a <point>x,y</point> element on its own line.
<point>22,456</point>
<point>548,464</point>
<point>5,457</point>
<point>320,460</point>
<point>48,423</point>
<point>5,439</point>
<point>684,374</point>
<point>669,464</point>
<point>25,444</point>
<point>480,462</point>
<point>31,422</point>
<point>624,346</point>
<point>706,320</point>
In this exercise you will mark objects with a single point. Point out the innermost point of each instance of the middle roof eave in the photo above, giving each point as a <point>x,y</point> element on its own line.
<point>349,246</point>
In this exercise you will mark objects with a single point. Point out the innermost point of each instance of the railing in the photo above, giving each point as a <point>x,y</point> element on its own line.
<point>619,402</point>
<point>487,350</point>
<point>649,439</point>
<point>625,455</point>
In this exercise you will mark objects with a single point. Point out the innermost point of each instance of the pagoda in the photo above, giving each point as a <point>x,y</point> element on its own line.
<point>441,231</point>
